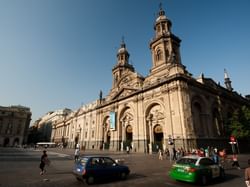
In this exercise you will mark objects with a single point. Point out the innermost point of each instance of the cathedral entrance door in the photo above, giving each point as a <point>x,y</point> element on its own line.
<point>158,138</point>
<point>129,136</point>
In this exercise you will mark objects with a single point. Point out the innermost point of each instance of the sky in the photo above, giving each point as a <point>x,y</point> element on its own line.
<point>57,54</point>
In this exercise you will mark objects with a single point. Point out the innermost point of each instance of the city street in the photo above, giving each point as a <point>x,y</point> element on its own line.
<point>20,167</point>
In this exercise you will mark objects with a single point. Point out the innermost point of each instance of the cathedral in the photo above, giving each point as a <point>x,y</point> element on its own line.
<point>166,108</point>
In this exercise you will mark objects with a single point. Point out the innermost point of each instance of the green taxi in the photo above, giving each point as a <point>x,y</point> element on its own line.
<point>196,169</point>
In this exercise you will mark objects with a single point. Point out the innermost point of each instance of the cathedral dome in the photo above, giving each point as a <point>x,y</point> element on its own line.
<point>122,49</point>
<point>161,18</point>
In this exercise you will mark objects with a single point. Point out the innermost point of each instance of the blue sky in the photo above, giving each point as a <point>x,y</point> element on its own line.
<point>60,53</point>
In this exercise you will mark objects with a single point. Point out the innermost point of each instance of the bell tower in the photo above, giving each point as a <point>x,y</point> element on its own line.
<point>165,45</point>
<point>227,81</point>
<point>122,65</point>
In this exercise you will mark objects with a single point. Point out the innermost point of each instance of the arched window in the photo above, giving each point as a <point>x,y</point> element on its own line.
<point>158,28</point>
<point>158,55</point>
<point>163,27</point>
<point>197,119</point>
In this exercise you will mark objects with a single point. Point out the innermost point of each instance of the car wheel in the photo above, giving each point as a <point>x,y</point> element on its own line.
<point>123,175</point>
<point>90,180</point>
<point>204,180</point>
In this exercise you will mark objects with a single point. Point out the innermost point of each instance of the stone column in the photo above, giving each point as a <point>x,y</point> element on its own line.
<point>105,136</point>
<point>151,140</point>
<point>123,135</point>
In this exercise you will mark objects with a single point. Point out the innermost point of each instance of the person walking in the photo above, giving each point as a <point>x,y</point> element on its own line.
<point>77,154</point>
<point>127,149</point>
<point>160,154</point>
<point>247,174</point>
<point>215,157</point>
<point>44,161</point>
<point>235,161</point>
<point>174,154</point>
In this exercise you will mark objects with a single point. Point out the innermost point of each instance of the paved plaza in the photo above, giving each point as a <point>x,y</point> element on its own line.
<point>19,167</point>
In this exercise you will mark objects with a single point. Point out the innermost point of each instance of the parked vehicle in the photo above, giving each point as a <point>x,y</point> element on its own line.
<point>94,168</point>
<point>196,169</point>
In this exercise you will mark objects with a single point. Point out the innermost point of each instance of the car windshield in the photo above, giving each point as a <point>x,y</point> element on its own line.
<point>186,161</point>
<point>83,161</point>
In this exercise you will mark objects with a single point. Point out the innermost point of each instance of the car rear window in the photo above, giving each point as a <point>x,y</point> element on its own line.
<point>186,161</point>
<point>83,161</point>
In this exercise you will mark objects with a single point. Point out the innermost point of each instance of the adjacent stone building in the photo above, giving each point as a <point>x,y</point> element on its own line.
<point>14,125</point>
<point>167,106</point>
<point>41,130</point>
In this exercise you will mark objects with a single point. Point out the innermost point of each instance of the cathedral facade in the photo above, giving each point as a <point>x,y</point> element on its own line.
<point>166,108</point>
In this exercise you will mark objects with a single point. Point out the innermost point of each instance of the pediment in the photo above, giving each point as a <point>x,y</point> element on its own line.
<point>125,91</point>
<point>130,79</point>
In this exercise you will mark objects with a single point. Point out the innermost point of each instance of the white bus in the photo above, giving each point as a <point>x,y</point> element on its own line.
<point>46,144</point>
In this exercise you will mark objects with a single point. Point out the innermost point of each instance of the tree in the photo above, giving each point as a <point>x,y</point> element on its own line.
<point>239,123</point>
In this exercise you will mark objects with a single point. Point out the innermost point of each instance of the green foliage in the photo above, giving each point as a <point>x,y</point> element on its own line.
<point>239,123</point>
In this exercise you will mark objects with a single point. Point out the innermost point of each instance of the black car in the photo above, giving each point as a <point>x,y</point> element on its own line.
<point>93,168</point>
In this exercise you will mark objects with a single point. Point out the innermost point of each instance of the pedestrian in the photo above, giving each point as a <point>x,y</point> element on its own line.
<point>174,154</point>
<point>167,152</point>
<point>44,161</point>
<point>160,154</point>
<point>157,147</point>
<point>77,154</point>
<point>207,152</point>
<point>77,146</point>
<point>215,157</point>
<point>127,149</point>
<point>247,174</point>
<point>235,161</point>
<point>178,154</point>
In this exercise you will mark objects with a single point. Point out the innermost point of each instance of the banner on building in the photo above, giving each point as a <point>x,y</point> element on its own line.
<point>112,120</point>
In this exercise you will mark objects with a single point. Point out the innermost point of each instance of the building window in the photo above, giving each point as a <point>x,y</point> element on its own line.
<point>67,129</point>
<point>9,129</point>
<point>158,28</point>
<point>93,134</point>
<point>86,134</point>
<point>158,55</point>
<point>163,27</point>
<point>19,129</point>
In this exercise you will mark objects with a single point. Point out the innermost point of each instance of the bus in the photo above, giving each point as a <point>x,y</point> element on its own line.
<point>46,144</point>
